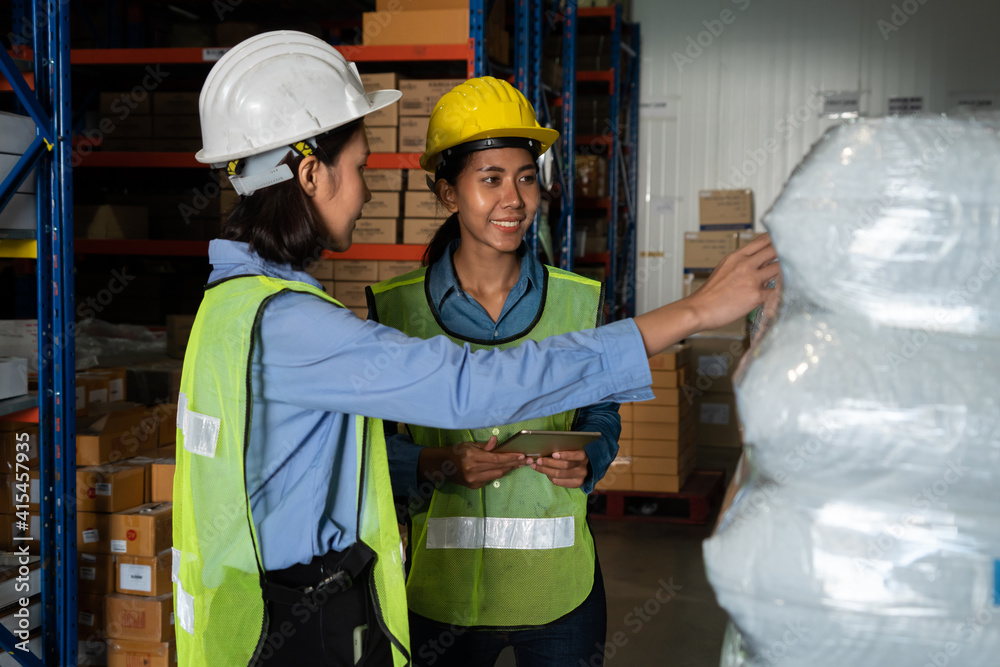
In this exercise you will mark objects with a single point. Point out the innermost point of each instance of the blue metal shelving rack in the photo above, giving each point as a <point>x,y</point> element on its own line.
<point>49,153</point>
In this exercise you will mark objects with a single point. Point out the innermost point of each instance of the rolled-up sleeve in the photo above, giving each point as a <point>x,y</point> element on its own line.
<point>322,357</point>
<point>603,418</point>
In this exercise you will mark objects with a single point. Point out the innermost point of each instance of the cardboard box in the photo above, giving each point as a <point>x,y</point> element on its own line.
<point>95,573</point>
<point>97,386</point>
<point>382,139</point>
<point>321,269</point>
<point>657,483</point>
<point>625,447</point>
<point>627,433</point>
<point>19,338</point>
<point>717,423</point>
<point>350,293</point>
<point>618,477</point>
<point>704,250</point>
<point>90,614</point>
<point>419,231</point>
<point>108,488</point>
<point>431,26</point>
<point>390,268</point>
<point>382,205</point>
<point>144,575</point>
<point>663,396</point>
<point>387,116</point>
<point>162,486</point>
<point>178,334</point>
<point>668,379</point>
<point>666,449</point>
<point>175,103</point>
<point>356,269</point>
<point>155,382</point>
<point>114,433</point>
<point>416,179</point>
<point>375,230</point>
<point>141,618</point>
<point>420,96</point>
<point>413,133</point>
<point>146,464</point>
<point>93,533</point>
<point>423,204</point>
<point>725,209</point>
<point>165,415</point>
<point>13,377</point>
<point>117,382</point>
<point>145,530</point>
<point>394,5</point>
<point>646,430</point>
<point>118,105</point>
<point>165,451</point>
<point>626,411</point>
<point>672,358</point>
<point>660,414</point>
<point>177,127</point>
<point>132,653</point>
<point>714,360</point>
<point>327,286</point>
<point>390,180</point>
<point>657,465</point>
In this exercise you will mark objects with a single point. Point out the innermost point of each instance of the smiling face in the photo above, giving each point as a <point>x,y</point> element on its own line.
<point>496,197</point>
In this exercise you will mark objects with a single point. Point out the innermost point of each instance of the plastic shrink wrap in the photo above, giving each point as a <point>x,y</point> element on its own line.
<point>866,532</point>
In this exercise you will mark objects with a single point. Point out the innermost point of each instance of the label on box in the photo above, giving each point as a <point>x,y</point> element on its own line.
<point>137,577</point>
<point>98,396</point>
<point>212,55</point>
<point>119,546</point>
<point>91,536</point>
<point>90,558</point>
<point>715,413</point>
<point>88,573</point>
<point>86,618</point>
<point>116,390</point>
<point>102,489</point>
<point>712,365</point>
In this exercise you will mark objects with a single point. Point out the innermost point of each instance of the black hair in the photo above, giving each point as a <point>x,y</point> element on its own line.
<point>450,230</point>
<point>278,221</point>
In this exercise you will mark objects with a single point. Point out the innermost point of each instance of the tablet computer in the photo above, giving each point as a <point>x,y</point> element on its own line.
<point>544,443</point>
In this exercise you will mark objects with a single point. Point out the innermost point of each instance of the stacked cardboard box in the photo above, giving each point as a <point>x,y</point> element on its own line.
<point>656,448</point>
<point>16,134</point>
<point>714,359</point>
<point>346,280</point>
<point>421,22</point>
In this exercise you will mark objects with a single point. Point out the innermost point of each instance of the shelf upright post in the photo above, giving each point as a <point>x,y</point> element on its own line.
<point>613,136</point>
<point>524,66</point>
<point>631,239</point>
<point>477,34</point>
<point>567,213</point>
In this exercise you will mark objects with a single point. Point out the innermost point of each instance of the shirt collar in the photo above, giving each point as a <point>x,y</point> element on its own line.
<point>443,283</point>
<point>234,258</point>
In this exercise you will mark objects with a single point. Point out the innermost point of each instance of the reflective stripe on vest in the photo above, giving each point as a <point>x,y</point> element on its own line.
<point>217,566</point>
<point>479,542</point>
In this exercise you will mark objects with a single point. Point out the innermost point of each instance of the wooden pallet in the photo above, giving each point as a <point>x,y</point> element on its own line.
<point>694,504</point>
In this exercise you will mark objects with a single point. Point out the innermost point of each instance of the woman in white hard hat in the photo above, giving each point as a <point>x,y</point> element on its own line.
<point>285,538</point>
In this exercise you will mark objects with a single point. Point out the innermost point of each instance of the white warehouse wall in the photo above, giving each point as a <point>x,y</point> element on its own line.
<point>744,105</point>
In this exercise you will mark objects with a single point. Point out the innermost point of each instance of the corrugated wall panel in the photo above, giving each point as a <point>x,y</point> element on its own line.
<point>756,81</point>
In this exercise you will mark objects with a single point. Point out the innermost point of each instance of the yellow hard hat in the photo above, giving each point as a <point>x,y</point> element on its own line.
<point>479,114</point>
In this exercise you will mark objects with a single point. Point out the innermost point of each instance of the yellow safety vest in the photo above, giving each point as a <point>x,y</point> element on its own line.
<point>517,552</point>
<point>219,605</point>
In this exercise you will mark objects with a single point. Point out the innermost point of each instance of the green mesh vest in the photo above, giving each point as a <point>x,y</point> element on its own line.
<point>517,552</point>
<point>217,570</point>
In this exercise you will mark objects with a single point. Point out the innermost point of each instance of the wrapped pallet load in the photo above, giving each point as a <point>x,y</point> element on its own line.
<point>864,532</point>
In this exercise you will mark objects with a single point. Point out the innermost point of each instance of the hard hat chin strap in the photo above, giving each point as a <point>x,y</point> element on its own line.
<point>263,170</point>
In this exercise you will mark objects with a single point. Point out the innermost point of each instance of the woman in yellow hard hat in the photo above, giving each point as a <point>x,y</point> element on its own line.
<point>285,544</point>
<point>500,550</point>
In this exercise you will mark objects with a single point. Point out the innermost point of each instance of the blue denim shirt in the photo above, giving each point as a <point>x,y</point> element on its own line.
<point>316,366</point>
<point>465,316</point>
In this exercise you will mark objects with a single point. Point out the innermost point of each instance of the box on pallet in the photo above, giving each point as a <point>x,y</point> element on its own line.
<point>419,231</point>
<point>383,205</point>
<point>714,360</point>
<point>704,250</point>
<point>725,209</point>
<point>423,204</point>
<point>375,230</point>
<point>717,424</point>
<point>390,268</point>
<point>420,96</point>
<point>416,179</point>
<point>618,477</point>
<point>384,180</point>
<point>131,652</point>
<point>382,139</point>
<point>356,269</point>
<point>413,133</point>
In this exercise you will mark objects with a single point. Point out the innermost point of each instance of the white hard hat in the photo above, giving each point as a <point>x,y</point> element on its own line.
<point>276,89</point>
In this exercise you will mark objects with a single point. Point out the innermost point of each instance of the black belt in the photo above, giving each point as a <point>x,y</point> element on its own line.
<point>348,568</point>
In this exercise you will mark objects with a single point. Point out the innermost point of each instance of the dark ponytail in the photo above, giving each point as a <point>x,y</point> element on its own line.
<point>450,230</point>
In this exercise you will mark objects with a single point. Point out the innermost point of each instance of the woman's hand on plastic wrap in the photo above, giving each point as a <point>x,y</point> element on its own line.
<point>567,469</point>
<point>471,464</point>
<point>738,285</point>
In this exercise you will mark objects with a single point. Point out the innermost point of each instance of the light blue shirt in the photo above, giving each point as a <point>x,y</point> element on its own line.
<point>315,366</point>
<point>465,316</point>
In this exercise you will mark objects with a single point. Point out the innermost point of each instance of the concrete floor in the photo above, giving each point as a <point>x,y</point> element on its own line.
<point>640,562</point>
